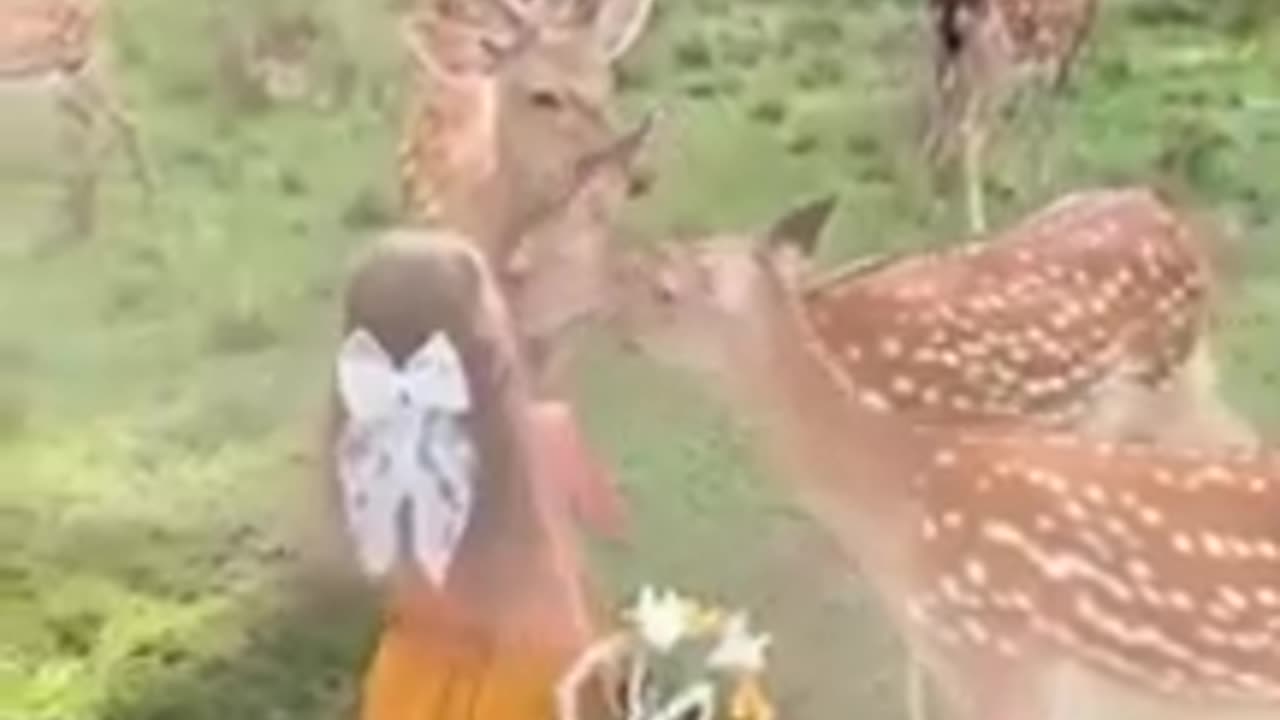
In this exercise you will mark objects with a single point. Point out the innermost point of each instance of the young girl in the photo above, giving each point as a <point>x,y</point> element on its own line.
<point>456,490</point>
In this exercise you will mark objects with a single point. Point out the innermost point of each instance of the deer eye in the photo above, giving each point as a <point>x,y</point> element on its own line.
<point>545,100</point>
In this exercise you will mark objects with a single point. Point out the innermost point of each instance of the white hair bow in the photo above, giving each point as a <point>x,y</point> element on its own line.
<point>405,447</point>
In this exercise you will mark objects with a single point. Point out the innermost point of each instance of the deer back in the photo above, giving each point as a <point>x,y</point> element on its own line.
<point>45,36</point>
<point>1029,323</point>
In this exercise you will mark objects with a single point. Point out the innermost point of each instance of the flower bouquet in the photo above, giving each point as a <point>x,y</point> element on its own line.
<point>674,658</point>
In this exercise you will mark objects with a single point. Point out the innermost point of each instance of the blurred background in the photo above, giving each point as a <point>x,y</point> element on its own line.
<point>161,384</point>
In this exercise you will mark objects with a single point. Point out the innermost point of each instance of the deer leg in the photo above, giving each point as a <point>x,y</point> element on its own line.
<point>1042,111</point>
<point>98,93</point>
<point>80,165</point>
<point>975,203</point>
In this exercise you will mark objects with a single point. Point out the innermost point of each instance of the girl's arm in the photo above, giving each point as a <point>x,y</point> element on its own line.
<point>586,484</point>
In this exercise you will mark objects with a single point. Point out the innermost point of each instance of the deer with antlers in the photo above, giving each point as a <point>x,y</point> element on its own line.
<point>57,44</point>
<point>512,102</point>
<point>507,98</point>
<point>986,52</point>
<point>1036,575</point>
<point>1092,314</point>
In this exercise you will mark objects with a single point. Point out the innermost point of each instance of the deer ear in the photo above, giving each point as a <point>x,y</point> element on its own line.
<point>617,24</point>
<point>801,228</point>
<point>627,147</point>
<point>621,155</point>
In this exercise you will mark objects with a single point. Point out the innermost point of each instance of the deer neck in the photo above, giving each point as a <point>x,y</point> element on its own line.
<point>852,463</point>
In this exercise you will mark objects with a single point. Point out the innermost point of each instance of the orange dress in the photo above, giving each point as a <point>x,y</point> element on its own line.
<point>430,665</point>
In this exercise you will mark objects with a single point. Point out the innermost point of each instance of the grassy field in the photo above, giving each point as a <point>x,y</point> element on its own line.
<point>160,385</point>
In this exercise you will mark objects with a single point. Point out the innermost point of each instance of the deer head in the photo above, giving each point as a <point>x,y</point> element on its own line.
<point>528,98</point>
<point>554,266</point>
<point>697,304</point>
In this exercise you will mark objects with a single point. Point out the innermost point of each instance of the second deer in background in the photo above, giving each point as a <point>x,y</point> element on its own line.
<point>62,41</point>
<point>987,52</point>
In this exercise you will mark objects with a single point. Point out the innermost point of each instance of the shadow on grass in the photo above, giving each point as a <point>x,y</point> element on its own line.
<point>152,621</point>
<point>301,657</point>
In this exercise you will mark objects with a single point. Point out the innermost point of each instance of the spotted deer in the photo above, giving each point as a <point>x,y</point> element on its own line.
<point>1036,575</point>
<point>506,98</point>
<point>56,45</point>
<point>985,53</point>
<point>501,125</point>
<point>1091,314</point>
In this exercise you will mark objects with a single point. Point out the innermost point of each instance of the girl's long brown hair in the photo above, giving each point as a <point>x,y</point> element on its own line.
<point>412,284</point>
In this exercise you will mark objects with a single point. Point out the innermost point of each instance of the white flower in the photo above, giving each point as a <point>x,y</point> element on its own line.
<point>739,650</point>
<point>662,619</point>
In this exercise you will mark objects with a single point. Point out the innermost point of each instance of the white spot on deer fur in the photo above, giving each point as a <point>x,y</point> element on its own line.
<point>852,353</point>
<point>931,396</point>
<point>1221,613</point>
<point>875,401</point>
<point>1213,545</point>
<point>976,572</point>
<point>1180,600</point>
<point>944,458</point>
<point>929,529</point>
<point>1116,527</point>
<point>951,589</point>
<point>1139,569</point>
<point>1059,566</point>
<point>1045,523</point>
<point>1233,597</point>
<point>1183,544</point>
<point>1151,516</point>
<point>976,632</point>
<point>903,385</point>
<point>952,520</point>
<point>1240,548</point>
<point>890,347</point>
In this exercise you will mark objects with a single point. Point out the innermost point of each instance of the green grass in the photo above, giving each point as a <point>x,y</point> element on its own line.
<point>160,385</point>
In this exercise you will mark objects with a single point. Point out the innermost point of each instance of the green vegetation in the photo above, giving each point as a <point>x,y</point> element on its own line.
<point>160,384</point>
